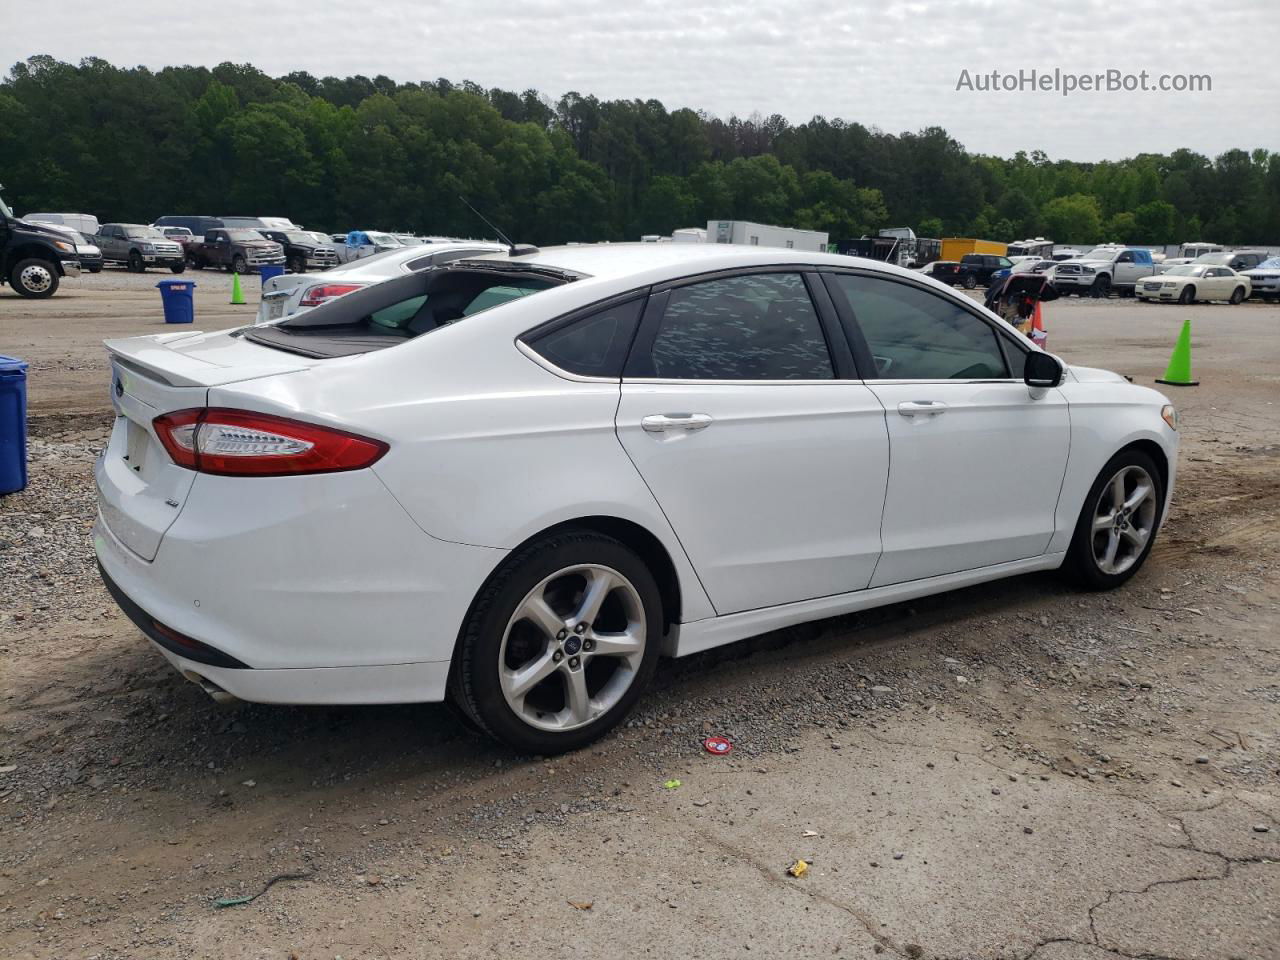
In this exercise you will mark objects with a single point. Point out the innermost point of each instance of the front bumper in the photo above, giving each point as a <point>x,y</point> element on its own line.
<point>70,268</point>
<point>264,260</point>
<point>312,589</point>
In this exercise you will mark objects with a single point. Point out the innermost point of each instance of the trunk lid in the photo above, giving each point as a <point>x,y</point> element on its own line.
<point>141,491</point>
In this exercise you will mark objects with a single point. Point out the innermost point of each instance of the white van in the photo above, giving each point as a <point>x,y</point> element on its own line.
<point>85,223</point>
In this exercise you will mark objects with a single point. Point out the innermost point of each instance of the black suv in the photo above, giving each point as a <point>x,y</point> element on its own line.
<point>976,269</point>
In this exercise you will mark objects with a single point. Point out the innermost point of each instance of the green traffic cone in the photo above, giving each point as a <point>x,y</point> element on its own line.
<point>1178,373</point>
<point>236,295</point>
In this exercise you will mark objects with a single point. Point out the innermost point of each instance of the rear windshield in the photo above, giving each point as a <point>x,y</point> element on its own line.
<point>397,310</point>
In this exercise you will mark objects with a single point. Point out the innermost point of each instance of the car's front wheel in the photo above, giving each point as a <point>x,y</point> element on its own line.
<point>1118,522</point>
<point>560,643</point>
<point>1188,295</point>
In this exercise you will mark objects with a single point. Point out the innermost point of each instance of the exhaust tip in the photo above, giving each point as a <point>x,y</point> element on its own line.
<point>215,692</point>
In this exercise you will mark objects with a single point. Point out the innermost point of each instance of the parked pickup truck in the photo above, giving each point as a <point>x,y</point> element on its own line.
<point>236,250</point>
<point>1104,269</point>
<point>33,256</point>
<point>137,247</point>
<point>303,249</point>
<point>976,269</point>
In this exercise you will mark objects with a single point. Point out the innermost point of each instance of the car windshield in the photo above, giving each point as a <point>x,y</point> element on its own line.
<point>1271,263</point>
<point>1100,253</point>
<point>383,239</point>
<point>318,237</point>
<point>144,233</point>
<point>1217,259</point>
<point>1186,270</point>
<point>243,235</point>
<point>301,236</point>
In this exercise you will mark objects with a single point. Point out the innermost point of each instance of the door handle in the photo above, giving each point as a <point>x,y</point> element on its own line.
<point>663,422</point>
<point>927,408</point>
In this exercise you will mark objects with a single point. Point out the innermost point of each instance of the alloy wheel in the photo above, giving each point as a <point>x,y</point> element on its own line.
<point>1123,520</point>
<point>572,648</point>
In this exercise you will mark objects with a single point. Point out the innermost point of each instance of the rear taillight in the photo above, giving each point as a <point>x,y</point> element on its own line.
<point>323,292</point>
<point>240,443</point>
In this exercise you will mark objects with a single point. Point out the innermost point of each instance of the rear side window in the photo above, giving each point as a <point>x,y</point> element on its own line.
<point>594,345</point>
<point>757,327</point>
<point>914,334</point>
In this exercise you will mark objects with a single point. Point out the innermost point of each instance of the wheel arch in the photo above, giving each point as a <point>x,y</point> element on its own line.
<point>1158,456</point>
<point>32,251</point>
<point>646,545</point>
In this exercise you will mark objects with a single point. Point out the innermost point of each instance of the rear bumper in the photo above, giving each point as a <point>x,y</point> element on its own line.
<point>308,590</point>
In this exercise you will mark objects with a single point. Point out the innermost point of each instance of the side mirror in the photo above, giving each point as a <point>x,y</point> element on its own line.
<point>1043,370</point>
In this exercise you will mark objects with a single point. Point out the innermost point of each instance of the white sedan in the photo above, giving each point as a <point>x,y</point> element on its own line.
<point>515,482</point>
<point>291,293</point>
<point>1190,282</point>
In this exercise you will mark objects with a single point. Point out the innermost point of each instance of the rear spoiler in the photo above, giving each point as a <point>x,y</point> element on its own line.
<point>152,357</point>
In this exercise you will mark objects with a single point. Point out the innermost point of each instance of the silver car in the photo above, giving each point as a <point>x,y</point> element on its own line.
<point>294,293</point>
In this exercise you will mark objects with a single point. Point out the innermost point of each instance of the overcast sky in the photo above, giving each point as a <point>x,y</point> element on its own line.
<point>887,63</point>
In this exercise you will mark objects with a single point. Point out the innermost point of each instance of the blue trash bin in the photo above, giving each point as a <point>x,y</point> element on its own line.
<point>13,425</point>
<point>178,298</point>
<point>267,271</point>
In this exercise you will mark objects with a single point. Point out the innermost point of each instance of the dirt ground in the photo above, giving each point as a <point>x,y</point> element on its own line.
<point>1014,770</point>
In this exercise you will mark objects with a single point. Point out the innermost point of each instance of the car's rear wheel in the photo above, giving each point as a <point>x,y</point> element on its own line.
<point>1237,296</point>
<point>1118,523</point>
<point>1188,295</point>
<point>560,643</point>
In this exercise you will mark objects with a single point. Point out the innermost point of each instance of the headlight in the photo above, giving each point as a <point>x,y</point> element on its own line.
<point>1171,283</point>
<point>1169,415</point>
<point>1088,270</point>
<point>148,248</point>
<point>65,246</point>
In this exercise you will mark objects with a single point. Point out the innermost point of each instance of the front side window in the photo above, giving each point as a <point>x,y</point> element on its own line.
<point>914,334</point>
<point>759,327</point>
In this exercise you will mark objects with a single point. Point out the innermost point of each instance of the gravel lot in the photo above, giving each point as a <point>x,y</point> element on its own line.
<point>1014,770</point>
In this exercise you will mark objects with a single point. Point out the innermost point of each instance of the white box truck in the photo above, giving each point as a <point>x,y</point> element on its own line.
<point>763,235</point>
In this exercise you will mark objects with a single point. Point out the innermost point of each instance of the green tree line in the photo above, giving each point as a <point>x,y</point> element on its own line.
<point>358,152</point>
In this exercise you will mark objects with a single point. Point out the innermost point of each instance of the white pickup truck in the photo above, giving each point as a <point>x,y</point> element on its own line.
<point>1104,269</point>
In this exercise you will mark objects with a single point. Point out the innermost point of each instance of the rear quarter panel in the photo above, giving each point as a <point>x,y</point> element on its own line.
<point>487,447</point>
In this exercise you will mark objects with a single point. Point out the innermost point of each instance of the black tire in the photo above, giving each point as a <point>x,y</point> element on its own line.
<point>474,684</point>
<point>1237,296</point>
<point>95,269</point>
<point>970,281</point>
<point>135,263</point>
<point>297,264</point>
<point>177,267</point>
<point>1080,561</point>
<point>238,264</point>
<point>34,278</point>
<point>1188,295</point>
<point>194,263</point>
<point>1101,287</point>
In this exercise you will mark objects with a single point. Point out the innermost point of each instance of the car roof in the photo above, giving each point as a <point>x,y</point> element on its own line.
<point>655,262</point>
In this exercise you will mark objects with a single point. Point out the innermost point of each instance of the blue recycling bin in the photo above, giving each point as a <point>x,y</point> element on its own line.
<point>267,271</point>
<point>13,425</point>
<point>178,298</point>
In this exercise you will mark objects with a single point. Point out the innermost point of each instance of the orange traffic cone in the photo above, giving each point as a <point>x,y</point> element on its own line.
<point>1038,334</point>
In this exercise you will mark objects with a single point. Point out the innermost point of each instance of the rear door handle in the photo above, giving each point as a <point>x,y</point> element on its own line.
<point>921,408</point>
<point>664,422</point>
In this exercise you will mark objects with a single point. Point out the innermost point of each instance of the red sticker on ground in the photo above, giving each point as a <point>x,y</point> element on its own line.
<point>717,745</point>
